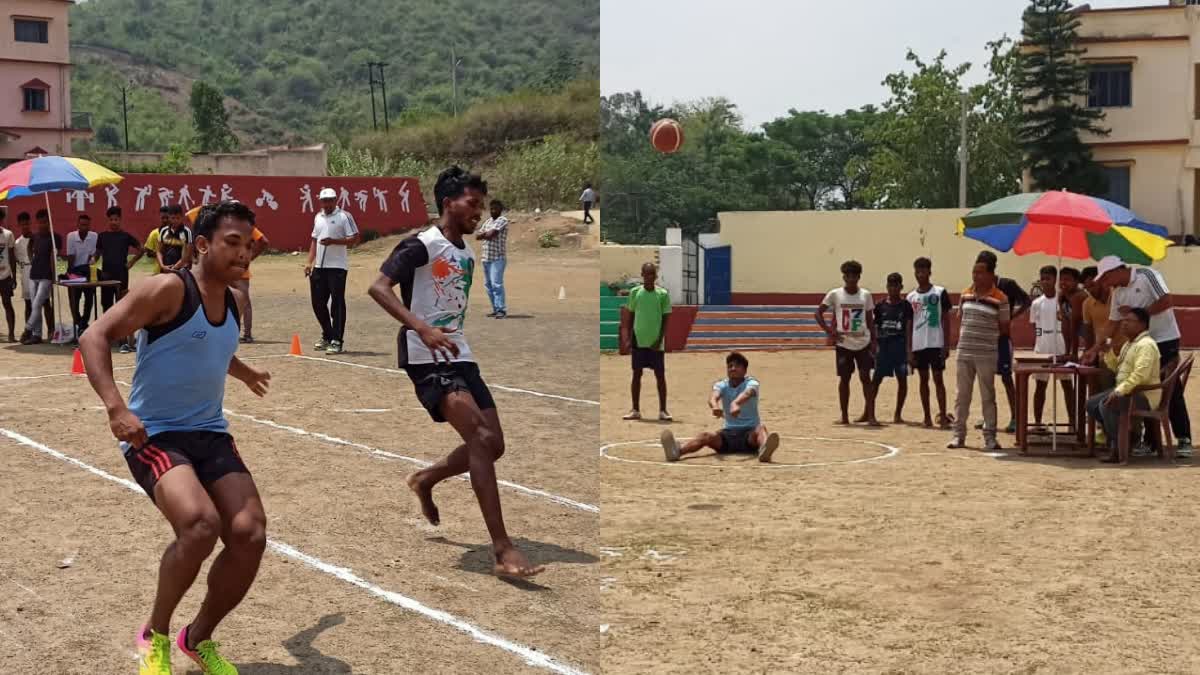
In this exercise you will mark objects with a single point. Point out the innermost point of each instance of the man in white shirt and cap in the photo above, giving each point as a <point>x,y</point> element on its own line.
<point>1135,286</point>
<point>334,232</point>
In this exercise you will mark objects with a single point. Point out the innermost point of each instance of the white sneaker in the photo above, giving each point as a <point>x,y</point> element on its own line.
<point>1184,449</point>
<point>769,447</point>
<point>956,443</point>
<point>321,345</point>
<point>335,347</point>
<point>670,447</point>
<point>991,444</point>
<point>632,415</point>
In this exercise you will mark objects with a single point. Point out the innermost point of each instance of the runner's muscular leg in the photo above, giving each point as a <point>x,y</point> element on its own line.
<point>244,533</point>
<point>457,462</point>
<point>197,524</point>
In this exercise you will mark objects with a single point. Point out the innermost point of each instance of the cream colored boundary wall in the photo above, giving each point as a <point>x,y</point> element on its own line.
<point>801,251</point>
<point>620,263</point>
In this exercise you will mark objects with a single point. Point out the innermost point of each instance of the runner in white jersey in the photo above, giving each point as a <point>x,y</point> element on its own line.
<point>931,338</point>
<point>434,271</point>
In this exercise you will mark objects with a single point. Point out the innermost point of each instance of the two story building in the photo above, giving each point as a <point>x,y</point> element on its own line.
<point>35,81</point>
<point>1144,73</point>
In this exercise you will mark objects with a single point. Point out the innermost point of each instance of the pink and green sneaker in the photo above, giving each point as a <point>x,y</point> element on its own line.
<point>205,655</point>
<point>154,652</point>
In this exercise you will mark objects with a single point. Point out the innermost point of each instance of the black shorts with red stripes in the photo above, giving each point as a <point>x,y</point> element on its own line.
<point>211,455</point>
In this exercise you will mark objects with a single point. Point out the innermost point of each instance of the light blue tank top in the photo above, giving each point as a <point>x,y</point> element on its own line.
<point>179,379</point>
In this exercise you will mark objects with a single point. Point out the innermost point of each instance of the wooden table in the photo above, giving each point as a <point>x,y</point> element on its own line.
<point>1030,366</point>
<point>90,285</point>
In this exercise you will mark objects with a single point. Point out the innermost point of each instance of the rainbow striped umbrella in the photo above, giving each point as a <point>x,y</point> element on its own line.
<point>1067,225</point>
<point>47,174</point>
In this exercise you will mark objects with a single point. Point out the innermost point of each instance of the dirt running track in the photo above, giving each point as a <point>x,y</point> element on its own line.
<point>339,498</point>
<point>934,561</point>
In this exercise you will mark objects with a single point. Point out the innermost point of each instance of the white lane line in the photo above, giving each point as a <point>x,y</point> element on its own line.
<point>532,492</point>
<point>530,655</point>
<point>497,386</point>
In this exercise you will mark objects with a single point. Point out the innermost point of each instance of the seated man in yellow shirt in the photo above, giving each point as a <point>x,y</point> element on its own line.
<point>1135,367</point>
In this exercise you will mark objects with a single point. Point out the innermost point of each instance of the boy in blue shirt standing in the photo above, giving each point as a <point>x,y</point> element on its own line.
<point>736,400</point>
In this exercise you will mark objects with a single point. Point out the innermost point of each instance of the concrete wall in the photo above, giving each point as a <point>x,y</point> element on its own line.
<point>800,252</point>
<point>621,263</point>
<point>309,161</point>
<point>618,263</point>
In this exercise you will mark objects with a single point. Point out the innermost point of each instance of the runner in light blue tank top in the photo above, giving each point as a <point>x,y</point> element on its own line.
<point>174,434</point>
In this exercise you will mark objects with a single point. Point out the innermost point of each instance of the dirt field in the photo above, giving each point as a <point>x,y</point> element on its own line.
<point>355,580</point>
<point>931,561</point>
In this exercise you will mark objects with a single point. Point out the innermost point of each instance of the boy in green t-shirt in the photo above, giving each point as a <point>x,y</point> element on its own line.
<point>651,307</point>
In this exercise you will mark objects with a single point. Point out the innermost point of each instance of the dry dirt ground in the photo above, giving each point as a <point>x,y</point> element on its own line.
<point>355,580</point>
<point>928,561</point>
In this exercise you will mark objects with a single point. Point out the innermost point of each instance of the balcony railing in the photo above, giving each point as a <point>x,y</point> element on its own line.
<point>81,120</point>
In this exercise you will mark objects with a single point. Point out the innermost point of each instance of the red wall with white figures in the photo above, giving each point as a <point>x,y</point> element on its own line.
<point>284,205</point>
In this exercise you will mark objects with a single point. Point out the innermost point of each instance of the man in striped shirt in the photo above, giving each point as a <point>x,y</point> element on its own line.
<point>984,317</point>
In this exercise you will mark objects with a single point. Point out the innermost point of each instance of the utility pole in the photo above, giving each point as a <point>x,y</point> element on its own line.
<point>383,87</point>
<point>125,113</point>
<point>371,66</point>
<point>455,62</point>
<point>962,157</point>
<point>371,83</point>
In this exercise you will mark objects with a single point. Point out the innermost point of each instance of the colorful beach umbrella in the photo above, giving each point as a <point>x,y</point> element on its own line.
<point>49,174</point>
<point>1065,224</point>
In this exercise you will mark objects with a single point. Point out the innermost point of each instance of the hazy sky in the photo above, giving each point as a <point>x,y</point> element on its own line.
<point>771,55</point>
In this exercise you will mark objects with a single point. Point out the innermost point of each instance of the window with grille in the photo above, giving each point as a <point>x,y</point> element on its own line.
<point>35,100</point>
<point>1118,185</point>
<point>1110,85</point>
<point>32,30</point>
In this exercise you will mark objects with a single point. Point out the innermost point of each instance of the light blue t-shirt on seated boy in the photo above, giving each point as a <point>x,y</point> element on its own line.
<point>748,418</point>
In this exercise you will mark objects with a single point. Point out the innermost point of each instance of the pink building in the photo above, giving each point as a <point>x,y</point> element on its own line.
<point>35,81</point>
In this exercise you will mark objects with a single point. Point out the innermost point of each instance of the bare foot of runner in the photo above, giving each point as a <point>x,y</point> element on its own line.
<point>425,496</point>
<point>872,422</point>
<point>844,422</point>
<point>928,423</point>
<point>897,420</point>
<point>862,419</point>
<point>512,563</point>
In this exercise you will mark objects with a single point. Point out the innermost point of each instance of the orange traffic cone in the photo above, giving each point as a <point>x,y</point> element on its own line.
<point>295,345</point>
<point>77,364</point>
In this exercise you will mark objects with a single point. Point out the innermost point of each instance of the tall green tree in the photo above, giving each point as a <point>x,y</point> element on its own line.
<point>914,159</point>
<point>210,120</point>
<point>1054,80</point>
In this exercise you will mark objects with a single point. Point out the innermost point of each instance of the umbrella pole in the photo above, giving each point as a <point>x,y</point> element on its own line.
<point>53,271</point>
<point>1054,358</point>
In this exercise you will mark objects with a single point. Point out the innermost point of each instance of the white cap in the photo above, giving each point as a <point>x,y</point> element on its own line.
<point>1107,264</point>
<point>327,193</point>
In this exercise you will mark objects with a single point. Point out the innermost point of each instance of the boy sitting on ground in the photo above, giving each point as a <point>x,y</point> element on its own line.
<point>736,400</point>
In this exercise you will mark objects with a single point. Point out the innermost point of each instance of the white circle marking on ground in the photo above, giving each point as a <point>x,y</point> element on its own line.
<point>890,451</point>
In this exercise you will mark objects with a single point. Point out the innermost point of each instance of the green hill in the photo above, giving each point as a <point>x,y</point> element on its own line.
<point>294,71</point>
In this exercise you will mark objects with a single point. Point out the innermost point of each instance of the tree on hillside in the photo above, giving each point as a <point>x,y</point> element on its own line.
<point>210,120</point>
<point>1054,81</point>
